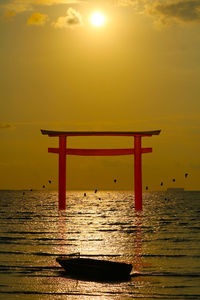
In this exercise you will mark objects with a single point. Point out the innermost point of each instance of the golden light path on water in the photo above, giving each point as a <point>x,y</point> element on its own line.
<point>161,243</point>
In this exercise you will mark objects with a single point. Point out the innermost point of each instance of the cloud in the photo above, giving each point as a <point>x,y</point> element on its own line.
<point>178,11</point>
<point>37,19</point>
<point>125,2</point>
<point>19,6</point>
<point>72,18</point>
<point>6,126</point>
<point>165,12</point>
<point>9,15</point>
<point>52,2</point>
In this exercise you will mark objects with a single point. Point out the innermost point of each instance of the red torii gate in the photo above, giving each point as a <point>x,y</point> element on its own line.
<point>63,151</point>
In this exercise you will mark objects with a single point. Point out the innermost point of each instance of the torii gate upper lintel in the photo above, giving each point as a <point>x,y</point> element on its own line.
<point>137,151</point>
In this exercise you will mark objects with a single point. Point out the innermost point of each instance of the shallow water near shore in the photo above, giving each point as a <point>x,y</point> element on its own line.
<point>162,243</point>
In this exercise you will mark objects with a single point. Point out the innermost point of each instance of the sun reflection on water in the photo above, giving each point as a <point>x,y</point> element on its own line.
<point>162,240</point>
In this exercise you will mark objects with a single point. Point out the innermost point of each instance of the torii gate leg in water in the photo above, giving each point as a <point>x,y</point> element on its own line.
<point>62,173</point>
<point>138,172</point>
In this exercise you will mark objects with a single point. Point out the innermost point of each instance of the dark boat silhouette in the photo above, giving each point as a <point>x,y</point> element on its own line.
<point>94,269</point>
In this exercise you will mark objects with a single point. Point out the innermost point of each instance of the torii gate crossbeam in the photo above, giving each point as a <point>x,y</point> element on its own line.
<point>137,151</point>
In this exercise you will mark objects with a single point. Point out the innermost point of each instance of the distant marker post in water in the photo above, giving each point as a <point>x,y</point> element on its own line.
<point>137,151</point>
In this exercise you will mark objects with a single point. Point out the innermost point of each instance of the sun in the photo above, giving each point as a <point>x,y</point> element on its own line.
<point>97,19</point>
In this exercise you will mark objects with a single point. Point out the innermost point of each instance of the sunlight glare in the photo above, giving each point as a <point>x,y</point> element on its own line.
<point>97,19</point>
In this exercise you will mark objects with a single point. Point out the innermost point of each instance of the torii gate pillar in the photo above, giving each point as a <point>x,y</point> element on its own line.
<point>63,151</point>
<point>138,172</point>
<point>62,173</point>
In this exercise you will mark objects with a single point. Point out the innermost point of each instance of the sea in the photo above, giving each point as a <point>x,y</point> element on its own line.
<point>162,242</point>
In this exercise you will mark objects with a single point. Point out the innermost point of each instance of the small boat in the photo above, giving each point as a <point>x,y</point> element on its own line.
<point>94,269</point>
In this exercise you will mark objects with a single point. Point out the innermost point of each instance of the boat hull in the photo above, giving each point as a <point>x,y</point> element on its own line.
<point>93,269</point>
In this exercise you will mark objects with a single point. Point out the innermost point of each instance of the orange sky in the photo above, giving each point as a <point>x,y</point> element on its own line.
<point>139,71</point>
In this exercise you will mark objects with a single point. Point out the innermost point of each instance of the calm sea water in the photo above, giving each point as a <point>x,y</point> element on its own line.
<point>162,243</point>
